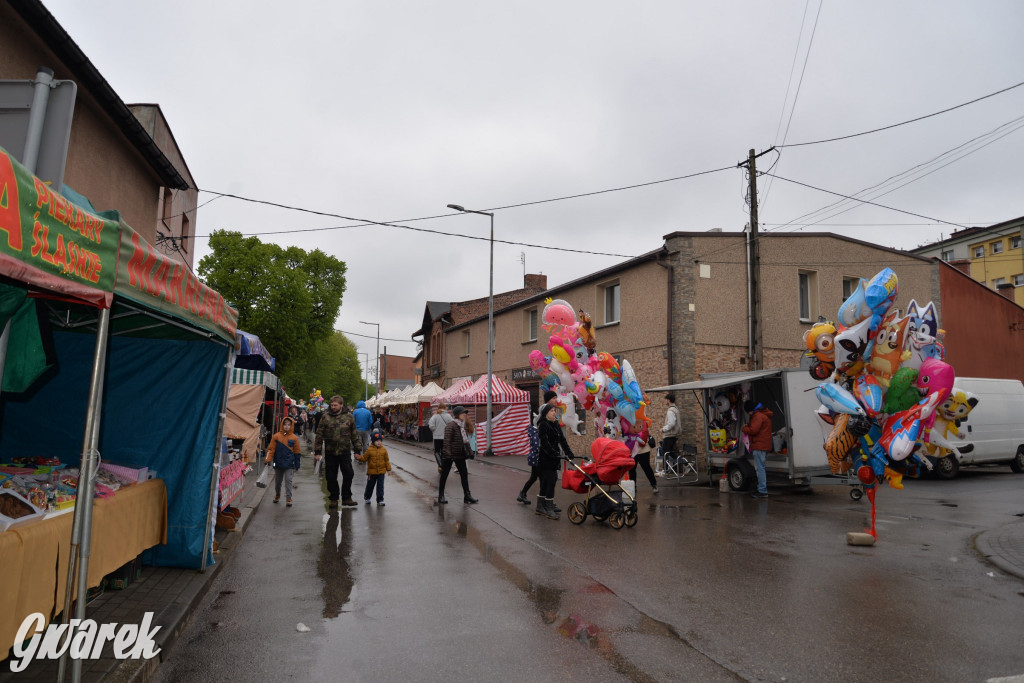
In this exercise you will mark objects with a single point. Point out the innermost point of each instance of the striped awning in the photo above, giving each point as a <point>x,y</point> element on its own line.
<point>242,376</point>
<point>501,392</point>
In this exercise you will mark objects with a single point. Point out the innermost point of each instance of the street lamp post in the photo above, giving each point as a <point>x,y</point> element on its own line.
<point>378,352</point>
<point>490,326</point>
<point>366,373</point>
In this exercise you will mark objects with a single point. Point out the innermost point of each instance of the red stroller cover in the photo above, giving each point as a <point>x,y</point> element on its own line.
<point>613,459</point>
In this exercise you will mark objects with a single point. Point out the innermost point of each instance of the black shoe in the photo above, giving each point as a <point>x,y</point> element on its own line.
<point>333,505</point>
<point>757,494</point>
<point>441,500</point>
<point>523,499</point>
<point>469,499</point>
<point>557,509</point>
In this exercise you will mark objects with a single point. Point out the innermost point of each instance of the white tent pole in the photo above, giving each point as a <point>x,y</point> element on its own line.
<point>81,527</point>
<point>217,455</point>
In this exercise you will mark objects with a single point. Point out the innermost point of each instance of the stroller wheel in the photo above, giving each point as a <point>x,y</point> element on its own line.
<point>631,518</point>
<point>617,519</point>
<point>577,513</point>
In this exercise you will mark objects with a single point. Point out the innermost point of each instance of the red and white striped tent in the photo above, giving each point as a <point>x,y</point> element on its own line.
<point>510,435</point>
<point>445,396</point>
<point>501,393</point>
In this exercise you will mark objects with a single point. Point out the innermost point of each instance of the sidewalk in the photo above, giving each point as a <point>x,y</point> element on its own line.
<point>173,595</point>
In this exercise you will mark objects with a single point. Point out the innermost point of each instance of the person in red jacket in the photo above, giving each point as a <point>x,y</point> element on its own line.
<point>759,429</point>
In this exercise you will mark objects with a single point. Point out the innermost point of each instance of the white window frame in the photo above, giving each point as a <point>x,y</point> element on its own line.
<point>465,340</point>
<point>998,281</point>
<point>848,290</point>
<point>996,247</point>
<point>614,290</point>
<point>807,295</point>
<point>948,255</point>
<point>1018,280</point>
<point>1015,242</point>
<point>530,326</point>
<point>979,252</point>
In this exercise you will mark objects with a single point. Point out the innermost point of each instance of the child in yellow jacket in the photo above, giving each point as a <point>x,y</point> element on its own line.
<point>377,465</point>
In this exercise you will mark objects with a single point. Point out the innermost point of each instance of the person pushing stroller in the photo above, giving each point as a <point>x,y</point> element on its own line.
<point>553,447</point>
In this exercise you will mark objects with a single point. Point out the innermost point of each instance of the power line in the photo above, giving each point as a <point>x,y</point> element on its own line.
<point>903,123</point>
<point>864,201</point>
<point>373,336</point>
<point>792,109</point>
<point>996,134</point>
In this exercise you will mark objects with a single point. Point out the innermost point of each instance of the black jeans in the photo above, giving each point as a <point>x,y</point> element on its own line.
<point>438,446</point>
<point>333,462</point>
<point>446,467</point>
<point>534,476</point>
<point>668,445</point>
<point>547,482</point>
<point>374,481</point>
<point>644,461</point>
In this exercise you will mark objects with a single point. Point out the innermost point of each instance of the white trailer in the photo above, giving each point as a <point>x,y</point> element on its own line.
<point>798,447</point>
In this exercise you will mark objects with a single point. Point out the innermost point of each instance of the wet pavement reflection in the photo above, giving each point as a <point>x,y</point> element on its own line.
<point>333,568</point>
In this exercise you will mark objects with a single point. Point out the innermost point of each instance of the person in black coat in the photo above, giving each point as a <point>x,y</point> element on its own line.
<point>454,451</point>
<point>553,447</point>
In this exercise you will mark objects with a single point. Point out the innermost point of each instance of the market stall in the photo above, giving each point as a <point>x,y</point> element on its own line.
<point>511,415</point>
<point>424,410</point>
<point>77,286</point>
<point>453,390</point>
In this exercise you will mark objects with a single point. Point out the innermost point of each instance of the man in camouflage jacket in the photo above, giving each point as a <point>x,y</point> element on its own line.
<point>336,434</point>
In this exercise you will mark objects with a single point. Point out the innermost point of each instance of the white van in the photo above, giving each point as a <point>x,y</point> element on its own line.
<point>995,427</point>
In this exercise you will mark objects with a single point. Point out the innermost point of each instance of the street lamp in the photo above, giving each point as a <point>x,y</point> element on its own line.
<point>366,373</point>
<point>378,352</point>
<point>490,326</point>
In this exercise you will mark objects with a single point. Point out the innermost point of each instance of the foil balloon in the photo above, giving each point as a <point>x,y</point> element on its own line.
<point>902,392</point>
<point>838,399</point>
<point>869,394</point>
<point>851,347</point>
<point>888,352</point>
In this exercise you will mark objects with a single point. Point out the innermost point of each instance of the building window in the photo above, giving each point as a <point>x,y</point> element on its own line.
<point>530,325</point>
<point>1018,280</point>
<point>998,281</point>
<point>167,208</point>
<point>979,252</point>
<point>185,230</point>
<point>1015,242</point>
<point>611,303</point>
<point>807,284</point>
<point>849,285</point>
<point>997,247</point>
<point>465,343</point>
<point>947,255</point>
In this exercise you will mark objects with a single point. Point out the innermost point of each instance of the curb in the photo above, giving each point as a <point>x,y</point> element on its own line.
<point>983,545</point>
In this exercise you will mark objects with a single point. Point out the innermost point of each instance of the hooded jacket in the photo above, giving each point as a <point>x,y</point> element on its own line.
<point>376,459</point>
<point>284,449</point>
<point>759,429</point>
<point>363,417</point>
<point>552,441</point>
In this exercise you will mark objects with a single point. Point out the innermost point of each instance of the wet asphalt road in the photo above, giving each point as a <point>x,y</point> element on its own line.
<point>708,586</point>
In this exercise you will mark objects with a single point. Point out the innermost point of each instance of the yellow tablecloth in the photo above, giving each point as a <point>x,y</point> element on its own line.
<point>34,557</point>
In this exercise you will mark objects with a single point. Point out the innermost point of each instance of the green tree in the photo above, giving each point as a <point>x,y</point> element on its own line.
<point>332,366</point>
<point>289,298</point>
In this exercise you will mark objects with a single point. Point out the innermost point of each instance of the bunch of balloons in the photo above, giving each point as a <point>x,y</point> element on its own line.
<point>583,376</point>
<point>886,391</point>
<point>316,400</point>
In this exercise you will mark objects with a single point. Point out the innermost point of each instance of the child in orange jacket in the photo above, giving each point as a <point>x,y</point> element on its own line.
<point>377,466</point>
<point>284,451</point>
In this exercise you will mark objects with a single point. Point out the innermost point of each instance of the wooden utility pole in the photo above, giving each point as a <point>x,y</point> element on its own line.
<point>756,323</point>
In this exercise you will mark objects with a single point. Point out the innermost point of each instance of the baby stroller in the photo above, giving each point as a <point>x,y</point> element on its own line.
<point>601,480</point>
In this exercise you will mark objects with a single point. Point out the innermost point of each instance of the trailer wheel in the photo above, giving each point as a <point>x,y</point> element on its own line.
<point>856,494</point>
<point>616,519</point>
<point>947,467</point>
<point>577,513</point>
<point>741,475</point>
<point>632,518</point>
<point>1017,464</point>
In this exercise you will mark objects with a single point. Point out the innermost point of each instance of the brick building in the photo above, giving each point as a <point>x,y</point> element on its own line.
<point>120,156</point>
<point>681,311</point>
<point>397,372</point>
<point>440,316</point>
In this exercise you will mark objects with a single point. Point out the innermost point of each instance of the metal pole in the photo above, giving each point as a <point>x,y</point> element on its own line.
<point>378,358</point>
<point>36,118</point>
<point>490,343</point>
<point>218,454</point>
<point>81,526</point>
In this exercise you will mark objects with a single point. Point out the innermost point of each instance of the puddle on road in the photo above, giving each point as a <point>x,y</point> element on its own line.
<point>548,602</point>
<point>334,567</point>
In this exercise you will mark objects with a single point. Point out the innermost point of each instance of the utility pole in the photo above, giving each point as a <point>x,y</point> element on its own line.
<point>754,278</point>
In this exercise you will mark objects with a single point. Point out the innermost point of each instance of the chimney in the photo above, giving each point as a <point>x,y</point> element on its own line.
<point>537,282</point>
<point>963,265</point>
<point>1006,290</point>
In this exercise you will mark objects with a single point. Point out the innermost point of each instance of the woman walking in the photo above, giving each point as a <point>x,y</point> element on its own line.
<point>552,447</point>
<point>454,451</point>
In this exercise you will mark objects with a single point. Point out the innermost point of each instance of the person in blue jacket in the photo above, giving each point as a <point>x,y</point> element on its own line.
<point>364,423</point>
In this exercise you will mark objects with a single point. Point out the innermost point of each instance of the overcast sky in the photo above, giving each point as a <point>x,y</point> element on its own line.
<point>391,110</point>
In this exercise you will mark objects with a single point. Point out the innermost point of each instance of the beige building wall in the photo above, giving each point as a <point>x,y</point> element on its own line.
<point>101,163</point>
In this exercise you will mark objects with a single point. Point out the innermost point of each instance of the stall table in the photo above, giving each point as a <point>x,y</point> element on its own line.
<point>34,556</point>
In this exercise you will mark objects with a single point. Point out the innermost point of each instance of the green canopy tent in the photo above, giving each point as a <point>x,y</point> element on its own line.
<point>66,274</point>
